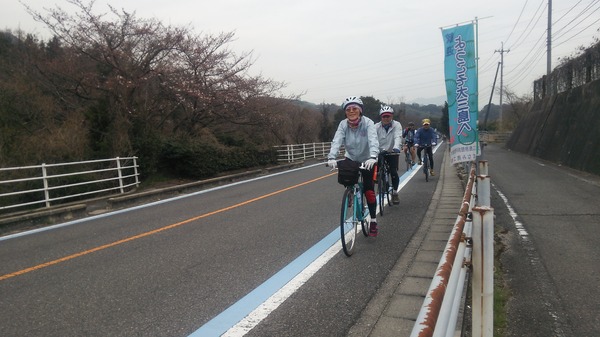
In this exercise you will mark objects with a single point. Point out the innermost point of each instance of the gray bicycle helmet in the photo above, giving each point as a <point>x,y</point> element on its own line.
<point>352,100</point>
<point>386,109</point>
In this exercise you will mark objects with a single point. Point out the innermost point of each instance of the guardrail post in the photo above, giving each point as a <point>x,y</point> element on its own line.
<point>293,147</point>
<point>483,271</point>
<point>45,180</point>
<point>303,151</point>
<point>289,153</point>
<point>120,175</point>
<point>483,167</point>
<point>135,171</point>
<point>483,186</point>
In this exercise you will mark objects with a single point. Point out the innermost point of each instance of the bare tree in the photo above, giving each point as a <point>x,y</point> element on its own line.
<point>145,79</point>
<point>519,106</point>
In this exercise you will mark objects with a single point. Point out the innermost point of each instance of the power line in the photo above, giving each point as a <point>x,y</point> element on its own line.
<point>530,66</point>
<point>534,48</point>
<point>581,31</point>
<point>517,43</point>
<point>580,21</point>
<point>569,11</point>
<point>516,23</point>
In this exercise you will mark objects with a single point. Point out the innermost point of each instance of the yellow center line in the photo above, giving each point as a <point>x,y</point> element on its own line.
<point>152,232</point>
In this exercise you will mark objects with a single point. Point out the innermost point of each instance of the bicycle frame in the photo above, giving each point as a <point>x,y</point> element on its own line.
<point>358,214</point>
<point>359,203</point>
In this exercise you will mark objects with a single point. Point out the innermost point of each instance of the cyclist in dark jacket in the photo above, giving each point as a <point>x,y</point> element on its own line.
<point>409,141</point>
<point>426,137</point>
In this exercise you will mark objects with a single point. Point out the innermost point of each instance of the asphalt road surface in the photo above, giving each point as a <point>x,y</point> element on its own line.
<point>191,265</point>
<point>552,237</point>
<point>174,267</point>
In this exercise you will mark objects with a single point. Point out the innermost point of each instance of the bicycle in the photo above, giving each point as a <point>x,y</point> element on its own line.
<point>425,161</point>
<point>384,181</point>
<point>408,159</point>
<point>354,210</point>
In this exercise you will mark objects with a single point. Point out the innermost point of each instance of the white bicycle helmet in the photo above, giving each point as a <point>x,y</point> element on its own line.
<point>352,100</point>
<point>386,109</point>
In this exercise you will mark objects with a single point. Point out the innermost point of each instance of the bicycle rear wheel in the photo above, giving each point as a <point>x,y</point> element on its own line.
<point>381,188</point>
<point>388,187</point>
<point>348,222</point>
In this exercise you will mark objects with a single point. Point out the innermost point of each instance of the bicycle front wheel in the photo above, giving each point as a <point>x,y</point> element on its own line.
<point>348,222</point>
<point>408,160</point>
<point>364,224</point>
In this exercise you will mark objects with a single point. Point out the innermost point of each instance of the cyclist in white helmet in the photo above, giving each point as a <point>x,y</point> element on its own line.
<point>389,135</point>
<point>358,136</point>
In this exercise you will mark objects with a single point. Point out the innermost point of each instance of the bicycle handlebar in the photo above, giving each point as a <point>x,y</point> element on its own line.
<point>362,165</point>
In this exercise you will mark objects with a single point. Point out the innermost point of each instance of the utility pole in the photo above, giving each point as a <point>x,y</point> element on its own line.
<point>549,51</point>
<point>501,51</point>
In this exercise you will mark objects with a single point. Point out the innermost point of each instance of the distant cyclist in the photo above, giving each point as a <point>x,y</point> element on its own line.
<point>389,134</point>
<point>409,141</point>
<point>358,136</point>
<point>425,137</point>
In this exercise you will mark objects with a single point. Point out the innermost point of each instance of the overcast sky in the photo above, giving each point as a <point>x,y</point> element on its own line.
<point>389,49</point>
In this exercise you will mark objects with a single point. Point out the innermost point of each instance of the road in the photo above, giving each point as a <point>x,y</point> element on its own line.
<point>551,257</point>
<point>169,268</point>
<point>175,267</point>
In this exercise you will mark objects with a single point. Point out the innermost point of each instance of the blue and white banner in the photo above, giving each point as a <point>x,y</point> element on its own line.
<point>460,70</point>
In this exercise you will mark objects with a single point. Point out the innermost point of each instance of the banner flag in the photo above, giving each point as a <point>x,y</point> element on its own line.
<point>460,70</point>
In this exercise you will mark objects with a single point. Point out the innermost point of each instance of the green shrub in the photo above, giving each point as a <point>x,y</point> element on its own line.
<point>199,161</point>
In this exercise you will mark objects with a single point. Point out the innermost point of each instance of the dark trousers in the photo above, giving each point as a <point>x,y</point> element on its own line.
<point>392,162</point>
<point>429,153</point>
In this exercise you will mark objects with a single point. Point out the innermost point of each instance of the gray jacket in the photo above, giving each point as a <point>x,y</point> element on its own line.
<point>390,139</point>
<point>360,143</point>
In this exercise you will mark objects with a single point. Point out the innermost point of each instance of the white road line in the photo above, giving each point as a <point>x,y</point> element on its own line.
<point>518,224</point>
<point>263,310</point>
<point>217,326</point>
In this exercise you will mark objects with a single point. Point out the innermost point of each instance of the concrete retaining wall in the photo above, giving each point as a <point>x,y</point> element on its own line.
<point>563,128</point>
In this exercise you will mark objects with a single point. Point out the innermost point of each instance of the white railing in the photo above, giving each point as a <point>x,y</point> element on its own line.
<point>470,246</point>
<point>295,152</point>
<point>46,183</point>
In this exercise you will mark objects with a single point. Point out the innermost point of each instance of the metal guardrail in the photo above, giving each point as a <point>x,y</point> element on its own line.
<point>470,246</point>
<point>494,136</point>
<point>65,180</point>
<point>295,152</point>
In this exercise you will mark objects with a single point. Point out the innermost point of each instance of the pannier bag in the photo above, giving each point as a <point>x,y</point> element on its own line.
<point>348,172</point>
